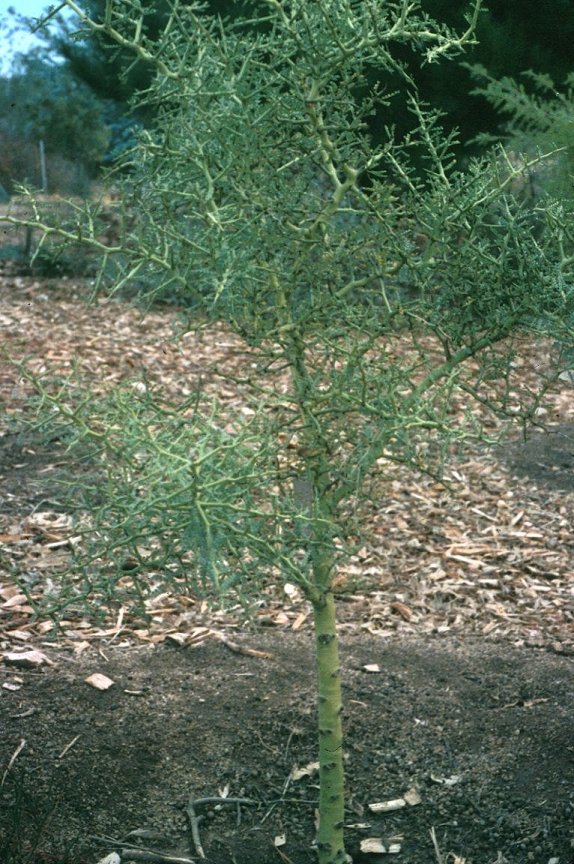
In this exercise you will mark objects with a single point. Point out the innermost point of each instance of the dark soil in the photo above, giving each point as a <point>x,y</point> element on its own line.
<point>547,458</point>
<point>493,721</point>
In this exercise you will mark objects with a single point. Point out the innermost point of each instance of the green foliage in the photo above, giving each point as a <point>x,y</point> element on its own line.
<point>511,36</point>
<point>261,201</point>
<point>366,295</point>
<point>182,493</point>
<point>215,214</point>
<point>42,101</point>
<point>541,119</point>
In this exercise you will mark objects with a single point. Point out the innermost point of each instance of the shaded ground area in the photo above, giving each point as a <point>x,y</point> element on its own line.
<point>545,458</point>
<point>484,733</point>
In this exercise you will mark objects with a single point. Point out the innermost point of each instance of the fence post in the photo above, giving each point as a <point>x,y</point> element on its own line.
<point>43,169</point>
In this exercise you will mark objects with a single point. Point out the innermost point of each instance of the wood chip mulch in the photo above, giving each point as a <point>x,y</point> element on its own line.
<point>487,553</point>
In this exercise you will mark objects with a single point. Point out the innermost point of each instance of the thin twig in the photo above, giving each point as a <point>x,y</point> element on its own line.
<point>279,800</point>
<point>194,826</point>
<point>242,649</point>
<point>201,802</point>
<point>139,854</point>
<point>155,857</point>
<point>438,853</point>
<point>194,819</point>
<point>13,758</point>
<point>68,747</point>
<point>283,856</point>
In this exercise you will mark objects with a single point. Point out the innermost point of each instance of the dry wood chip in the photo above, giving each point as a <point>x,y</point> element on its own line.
<point>376,846</point>
<point>242,649</point>
<point>99,681</point>
<point>27,659</point>
<point>423,545</point>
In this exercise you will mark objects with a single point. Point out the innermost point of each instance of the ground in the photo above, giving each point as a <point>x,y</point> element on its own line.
<point>457,643</point>
<point>484,732</point>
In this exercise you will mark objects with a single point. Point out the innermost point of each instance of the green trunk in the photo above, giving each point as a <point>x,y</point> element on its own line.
<point>330,840</point>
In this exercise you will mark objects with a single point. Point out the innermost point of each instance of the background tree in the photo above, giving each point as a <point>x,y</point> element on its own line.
<point>513,35</point>
<point>539,117</point>
<point>41,101</point>
<point>361,314</point>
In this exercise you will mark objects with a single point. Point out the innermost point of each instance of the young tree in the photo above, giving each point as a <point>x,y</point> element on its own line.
<point>366,296</point>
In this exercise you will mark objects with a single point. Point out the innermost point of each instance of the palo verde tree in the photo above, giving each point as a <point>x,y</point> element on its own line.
<point>365,294</point>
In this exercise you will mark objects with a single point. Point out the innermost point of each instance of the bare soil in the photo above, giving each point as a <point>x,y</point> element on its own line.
<point>484,732</point>
<point>469,700</point>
